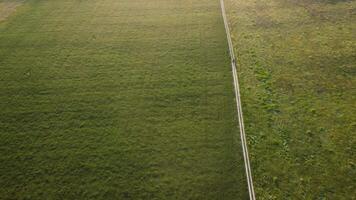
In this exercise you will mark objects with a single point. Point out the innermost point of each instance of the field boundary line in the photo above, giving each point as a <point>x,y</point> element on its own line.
<point>239,107</point>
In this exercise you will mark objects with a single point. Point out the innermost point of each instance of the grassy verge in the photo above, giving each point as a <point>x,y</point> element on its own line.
<point>109,99</point>
<point>297,68</point>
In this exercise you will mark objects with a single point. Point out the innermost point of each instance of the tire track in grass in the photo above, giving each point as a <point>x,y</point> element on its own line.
<point>239,108</point>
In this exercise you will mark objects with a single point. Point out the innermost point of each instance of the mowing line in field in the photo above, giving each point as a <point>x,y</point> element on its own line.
<point>239,108</point>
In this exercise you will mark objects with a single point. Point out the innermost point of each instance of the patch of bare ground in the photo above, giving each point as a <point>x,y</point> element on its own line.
<point>7,8</point>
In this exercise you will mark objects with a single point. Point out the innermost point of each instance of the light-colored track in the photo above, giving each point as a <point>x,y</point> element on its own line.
<point>239,108</point>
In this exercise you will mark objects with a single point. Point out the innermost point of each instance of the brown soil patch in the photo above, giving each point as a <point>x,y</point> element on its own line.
<point>8,7</point>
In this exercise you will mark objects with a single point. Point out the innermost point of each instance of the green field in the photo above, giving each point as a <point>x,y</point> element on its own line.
<point>297,67</point>
<point>117,99</point>
<point>133,99</point>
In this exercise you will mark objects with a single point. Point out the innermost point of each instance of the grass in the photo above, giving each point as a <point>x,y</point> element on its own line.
<point>127,99</point>
<point>297,67</point>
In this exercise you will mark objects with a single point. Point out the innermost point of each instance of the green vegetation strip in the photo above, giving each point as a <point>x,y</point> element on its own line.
<point>107,99</point>
<point>297,70</point>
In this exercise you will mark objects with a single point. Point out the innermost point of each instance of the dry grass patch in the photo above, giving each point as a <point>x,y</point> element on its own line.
<point>8,7</point>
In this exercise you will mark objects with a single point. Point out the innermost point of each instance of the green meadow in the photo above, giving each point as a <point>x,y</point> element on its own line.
<point>117,99</point>
<point>133,99</point>
<point>297,67</point>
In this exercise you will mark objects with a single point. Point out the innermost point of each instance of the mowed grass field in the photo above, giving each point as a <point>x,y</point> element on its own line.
<point>117,99</point>
<point>297,67</point>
